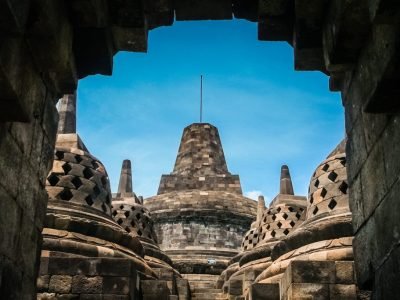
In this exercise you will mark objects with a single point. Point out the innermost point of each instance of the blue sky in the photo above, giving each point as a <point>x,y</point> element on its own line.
<point>267,114</point>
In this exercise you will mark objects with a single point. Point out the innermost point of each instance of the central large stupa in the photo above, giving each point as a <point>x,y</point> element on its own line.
<point>200,213</point>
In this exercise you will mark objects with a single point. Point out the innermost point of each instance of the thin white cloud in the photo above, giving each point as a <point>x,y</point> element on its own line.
<point>253,194</point>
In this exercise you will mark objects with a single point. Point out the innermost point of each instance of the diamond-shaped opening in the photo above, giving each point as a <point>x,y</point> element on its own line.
<point>292,223</point>
<point>311,198</point>
<point>273,217</point>
<point>332,204</point>
<point>104,181</point>
<point>298,216</point>
<point>114,213</point>
<point>144,225</point>
<point>126,213</point>
<point>139,232</point>
<point>53,179</point>
<point>273,233</point>
<point>286,231</point>
<point>316,183</point>
<point>332,176</point>
<point>104,207</point>
<point>325,167</point>
<point>263,237</point>
<point>133,223</point>
<point>268,212</point>
<point>95,165</point>
<point>138,216</point>
<point>246,238</point>
<point>323,192</point>
<point>120,221</point>
<point>265,220</point>
<point>87,173</point>
<point>89,200</point>
<point>121,207</point>
<point>66,194</point>
<point>261,230</point>
<point>76,182</point>
<point>127,229</point>
<point>59,155</point>
<point>285,216</point>
<point>256,235</point>
<point>96,190</point>
<point>343,161</point>
<point>291,209</point>
<point>279,209</point>
<point>315,210</point>
<point>343,187</point>
<point>245,247</point>
<point>268,227</point>
<point>66,167</point>
<point>279,224</point>
<point>78,158</point>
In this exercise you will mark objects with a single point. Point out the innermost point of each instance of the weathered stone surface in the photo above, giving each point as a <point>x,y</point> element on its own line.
<point>60,284</point>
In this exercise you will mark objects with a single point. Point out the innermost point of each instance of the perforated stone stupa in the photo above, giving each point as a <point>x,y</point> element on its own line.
<point>200,213</point>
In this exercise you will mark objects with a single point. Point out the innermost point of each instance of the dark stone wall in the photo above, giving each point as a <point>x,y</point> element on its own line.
<point>374,167</point>
<point>26,154</point>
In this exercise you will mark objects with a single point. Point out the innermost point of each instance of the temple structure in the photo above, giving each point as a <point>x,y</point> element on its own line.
<point>200,214</point>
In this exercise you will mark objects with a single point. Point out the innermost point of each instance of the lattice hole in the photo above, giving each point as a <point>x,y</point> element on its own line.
<point>292,223</point>
<point>59,155</point>
<point>126,213</point>
<point>285,216</point>
<point>316,183</point>
<point>127,229</point>
<point>343,162</point>
<point>96,190</point>
<point>279,224</point>
<point>114,213</point>
<point>268,227</point>
<point>104,181</point>
<point>273,217</point>
<point>332,176</point>
<point>325,167</point>
<point>66,167</point>
<point>298,216</point>
<point>133,223</point>
<point>120,221</point>
<point>95,165</point>
<point>66,194</point>
<point>279,209</point>
<point>273,233</point>
<point>78,158</point>
<point>286,231</point>
<point>343,187</point>
<point>291,209</point>
<point>311,198</point>
<point>265,220</point>
<point>121,207</point>
<point>246,238</point>
<point>138,216</point>
<point>139,232</point>
<point>53,179</point>
<point>315,210</point>
<point>89,200</point>
<point>332,204</point>
<point>87,173</point>
<point>76,182</point>
<point>323,192</point>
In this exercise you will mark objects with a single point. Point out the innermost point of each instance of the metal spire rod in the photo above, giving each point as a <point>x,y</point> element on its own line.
<point>201,98</point>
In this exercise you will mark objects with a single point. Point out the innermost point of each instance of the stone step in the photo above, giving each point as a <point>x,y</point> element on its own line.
<point>208,296</point>
<point>206,290</point>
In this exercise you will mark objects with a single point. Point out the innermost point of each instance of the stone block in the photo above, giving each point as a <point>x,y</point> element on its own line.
<point>42,283</point>
<point>260,291</point>
<point>343,291</point>
<point>345,272</point>
<point>116,285</point>
<point>82,284</point>
<point>60,284</point>
<point>309,272</point>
